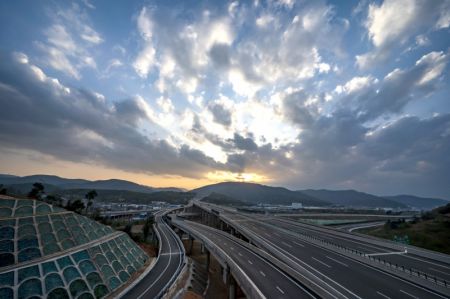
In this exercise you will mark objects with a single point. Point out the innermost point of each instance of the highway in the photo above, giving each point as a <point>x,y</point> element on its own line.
<point>267,278</point>
<point>434,268</point>
<point>168,265</point>
<point>351,278</point>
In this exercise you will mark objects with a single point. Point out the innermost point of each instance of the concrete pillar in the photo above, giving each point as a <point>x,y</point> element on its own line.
<point>208,260</point>
<point>191,244</point>
<point>231,287</point>
<point>202,247</point>
<point>221,225</point>
<point>225,273</point>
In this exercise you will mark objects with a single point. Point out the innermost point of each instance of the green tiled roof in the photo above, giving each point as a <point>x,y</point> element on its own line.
<point>47,251</point>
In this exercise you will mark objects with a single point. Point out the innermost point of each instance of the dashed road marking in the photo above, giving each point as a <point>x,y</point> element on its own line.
<point>250,262</point>
<point>279,289</point>
<point>339,262</point>
<point>406,293</point>
<point>383,295</point>
<point>321,262</point>
<point>288,245</point>
<point>299,244</point>
<point>262,273</point>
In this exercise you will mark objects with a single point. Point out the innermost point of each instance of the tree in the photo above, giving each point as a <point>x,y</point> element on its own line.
<point>146,229</point>
<point>36,191</point>
<point>90,197</point>
<point>2,189</point>
<point>76,206</point>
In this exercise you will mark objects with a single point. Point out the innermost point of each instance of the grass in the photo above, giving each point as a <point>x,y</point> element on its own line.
<point>432,234</point>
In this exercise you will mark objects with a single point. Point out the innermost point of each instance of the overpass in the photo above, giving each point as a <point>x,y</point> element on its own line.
<point>154,282</point>
<point>242,264</point>
<point>330,255</point>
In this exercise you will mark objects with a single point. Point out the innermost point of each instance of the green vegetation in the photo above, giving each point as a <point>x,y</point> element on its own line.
<point>2,190</point>
<point>90,197</point>
<point>131,196</point>
<point>430,231</point>
<point>220,199</point>
<point>36,191</point>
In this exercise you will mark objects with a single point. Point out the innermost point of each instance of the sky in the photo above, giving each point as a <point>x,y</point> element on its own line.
<point>301,94</point>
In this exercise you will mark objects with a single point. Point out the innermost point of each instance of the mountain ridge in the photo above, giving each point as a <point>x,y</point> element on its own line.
<point>65,183</point>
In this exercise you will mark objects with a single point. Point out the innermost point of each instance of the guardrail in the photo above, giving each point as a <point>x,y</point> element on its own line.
<point>246,284</point>
<point>407,270</point>
<point>374,241</point>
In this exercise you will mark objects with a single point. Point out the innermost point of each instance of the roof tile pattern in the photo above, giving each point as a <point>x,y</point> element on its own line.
<point>47,252</point>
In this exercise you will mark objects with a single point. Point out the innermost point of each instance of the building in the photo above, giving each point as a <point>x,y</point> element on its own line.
<point>48,252</point>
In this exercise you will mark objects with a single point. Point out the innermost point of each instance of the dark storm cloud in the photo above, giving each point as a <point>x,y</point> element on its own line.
<point>295,108</point>
<point>38,113</point>
<point>399,87</point>
<point>220,55</point>
<point>220,113</point>
<point>244,143</point>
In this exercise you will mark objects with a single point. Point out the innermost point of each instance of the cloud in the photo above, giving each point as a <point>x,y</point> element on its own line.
<point>41,114</point>
<point>68,40</point>
<point>400,87</point>
<point>221,114</point>
<point>244,143</point>
<point>387,28</point>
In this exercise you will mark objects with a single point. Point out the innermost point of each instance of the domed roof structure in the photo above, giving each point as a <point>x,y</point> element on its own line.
<point>48,252</point>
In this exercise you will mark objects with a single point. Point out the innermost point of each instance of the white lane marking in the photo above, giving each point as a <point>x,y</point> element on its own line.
<point>383,295</point>
<point>250,262</point>
<point>386,253</point>
<point>165,269</point>
<point>406,293</point>
<point>288,245</point>
<point>439,271</point>
<point>339,262</point>
<point>171,253</point>
<point>321,262</point>
<point>425,261</point>
<point>267,234</point>
<point>299,244</point>
<point>232,248</point>
<point>240,253</point>
<point>281,291</point>
<point>262,273</point>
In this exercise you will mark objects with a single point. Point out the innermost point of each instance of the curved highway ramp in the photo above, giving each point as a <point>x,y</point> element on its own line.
<point>257,277</point>
<point>170,261</point>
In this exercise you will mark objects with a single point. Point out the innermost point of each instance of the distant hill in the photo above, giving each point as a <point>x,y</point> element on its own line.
<point>420,203</point>
<point>256,193</point>
<point>105,195</point>
<point>55,182</point>
<point>352,198</point>
<point>220,199</point>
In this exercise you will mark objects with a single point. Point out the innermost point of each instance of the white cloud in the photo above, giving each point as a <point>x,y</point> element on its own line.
<point>145,60</point>
<point>264,20</point>
<point>393,22</point>
<point>68,42</point>
<point>356,84</point>
<point>435,63</point>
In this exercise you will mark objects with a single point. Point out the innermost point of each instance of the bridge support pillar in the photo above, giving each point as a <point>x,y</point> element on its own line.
<point>208,260</point>
<point>191,245</point>
<point>231,287</point>
<point>225,274</point>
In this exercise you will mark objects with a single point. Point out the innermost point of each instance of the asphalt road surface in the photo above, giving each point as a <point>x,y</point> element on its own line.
<point>348,276</point>
<point>431,267</point>
<point>272,282</point>
<point>164,270</point>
